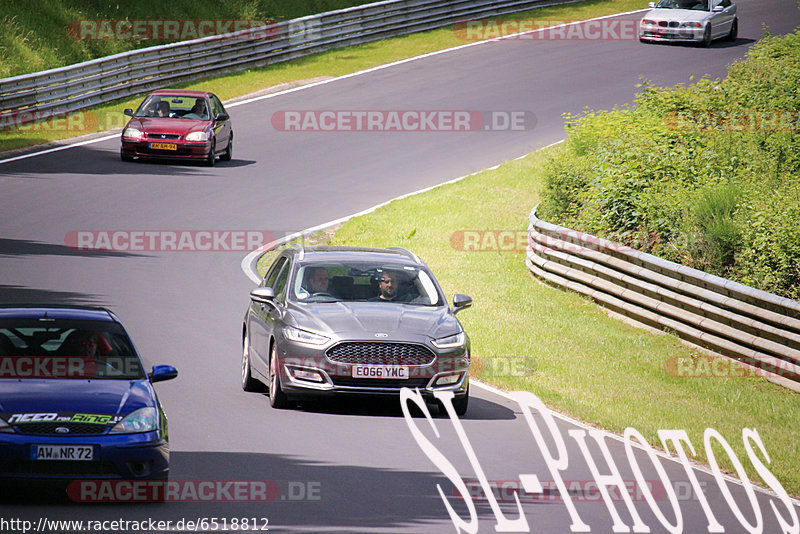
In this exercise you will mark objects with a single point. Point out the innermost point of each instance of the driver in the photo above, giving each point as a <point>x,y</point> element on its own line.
<point>316,282</point>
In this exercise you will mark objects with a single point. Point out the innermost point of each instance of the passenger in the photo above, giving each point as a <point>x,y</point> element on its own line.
<point>199,111</point>
<point>389,285</point>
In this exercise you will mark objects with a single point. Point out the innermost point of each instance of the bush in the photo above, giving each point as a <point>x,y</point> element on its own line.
<point>696,174</point>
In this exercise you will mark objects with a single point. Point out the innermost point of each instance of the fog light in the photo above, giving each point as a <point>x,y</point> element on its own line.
<point>310,376</point>
<point>448,380</point>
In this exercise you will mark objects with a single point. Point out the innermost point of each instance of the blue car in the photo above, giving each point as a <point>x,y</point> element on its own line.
<point>75,400</point>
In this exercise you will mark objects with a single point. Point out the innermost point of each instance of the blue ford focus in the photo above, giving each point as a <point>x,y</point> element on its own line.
<point>75,399</point>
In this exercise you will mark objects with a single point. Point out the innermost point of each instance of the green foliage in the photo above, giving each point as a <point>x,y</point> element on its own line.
<point>705,174</point>
<point>34,34</point>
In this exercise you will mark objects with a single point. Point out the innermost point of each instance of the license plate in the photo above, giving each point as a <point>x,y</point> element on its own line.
<point>62,452</point>
<point>381,371</point>
<point>164,146</point>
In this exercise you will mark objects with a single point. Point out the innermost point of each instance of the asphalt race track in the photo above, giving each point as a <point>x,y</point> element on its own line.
<point>349,466</point>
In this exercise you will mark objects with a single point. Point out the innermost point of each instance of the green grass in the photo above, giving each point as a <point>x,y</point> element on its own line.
<point>35,34</point>
<point>564,348</point>
<point>333,63</point>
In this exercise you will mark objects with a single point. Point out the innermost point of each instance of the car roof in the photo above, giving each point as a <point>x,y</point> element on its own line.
<point>60,311</point>
<point>329,253</point>
<point>180,92</point>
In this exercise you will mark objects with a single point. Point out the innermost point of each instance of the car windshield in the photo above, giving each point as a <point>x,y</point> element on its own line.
<point>56,348</point>
<point>174,107</point>
<point>357,281</point>
<point>697,5</point>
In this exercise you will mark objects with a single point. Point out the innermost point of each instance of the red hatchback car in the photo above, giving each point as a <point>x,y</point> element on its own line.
<point>179,125</point>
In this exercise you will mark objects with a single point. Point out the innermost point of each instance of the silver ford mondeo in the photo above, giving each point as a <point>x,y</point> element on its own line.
<point>696,21</point>
<point>340,320</point>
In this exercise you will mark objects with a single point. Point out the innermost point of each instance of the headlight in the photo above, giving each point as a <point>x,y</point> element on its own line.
<point>450,342</point>
<point>5,427</point>
<point>142,420</point>
<point>691,25</point>
<point>304,336</point>
<point>197,136</point>
<point>132,133</point>
<point>648,22</point>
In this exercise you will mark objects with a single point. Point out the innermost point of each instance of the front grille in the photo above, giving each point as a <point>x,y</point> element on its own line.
<point>50,429</point>
<point>60,468</point>
<point>372,353</point>
<point>380,382</point>
<point>671,24</point>
<point>163,136</point>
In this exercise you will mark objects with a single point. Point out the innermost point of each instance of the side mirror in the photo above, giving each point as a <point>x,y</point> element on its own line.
<point>128,112</point>
<point>461,302</point>
<point>262,295</point>
<point>651,4</point>
<point>717,9</point>
<point>162,372</point>
<point>222,117</point>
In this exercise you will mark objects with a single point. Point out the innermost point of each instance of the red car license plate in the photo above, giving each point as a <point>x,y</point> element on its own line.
<point>164,146</point>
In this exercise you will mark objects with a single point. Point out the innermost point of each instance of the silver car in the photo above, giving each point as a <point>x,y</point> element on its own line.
<point>342,321</point>
<point>694,21</point>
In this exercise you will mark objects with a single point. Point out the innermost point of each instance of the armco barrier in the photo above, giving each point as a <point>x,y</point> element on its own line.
<point>751,326</point>
<point>122,75</point>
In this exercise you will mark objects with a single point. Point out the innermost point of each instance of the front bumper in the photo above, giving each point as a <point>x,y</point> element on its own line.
<point>677,34</point>
<point>308,372</point>
<point>184,150</point>
<point>120,456</point>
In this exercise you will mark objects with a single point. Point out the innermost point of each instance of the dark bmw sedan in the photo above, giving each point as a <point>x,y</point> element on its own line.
<point>75,400</point>
<point>178,125</point>
<point>337,320</point>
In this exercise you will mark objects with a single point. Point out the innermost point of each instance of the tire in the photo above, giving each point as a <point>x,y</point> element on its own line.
<point>277,398</point>
<point>706,37</point>
<point>734,33</point>
<point>460,404</point>
<point>248,382</point>
<point>212,156</point>
<point>228,155</point>
<point>124,157</point>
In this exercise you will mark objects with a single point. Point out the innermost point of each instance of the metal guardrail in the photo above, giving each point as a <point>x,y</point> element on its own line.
<point>756,328</point>
<point>103,80</point>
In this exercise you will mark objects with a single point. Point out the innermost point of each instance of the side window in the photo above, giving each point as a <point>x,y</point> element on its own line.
<point>216,105</point>
<point>280,282</point>
<point>272,274</point>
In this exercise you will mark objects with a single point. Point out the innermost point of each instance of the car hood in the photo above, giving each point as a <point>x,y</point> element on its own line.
<point>363,320</point>
<point>106,397</point>
<point>678,15</point>
<point>161,125</point>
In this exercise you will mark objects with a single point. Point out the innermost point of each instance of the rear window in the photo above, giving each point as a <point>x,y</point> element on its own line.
<point>47,348</point>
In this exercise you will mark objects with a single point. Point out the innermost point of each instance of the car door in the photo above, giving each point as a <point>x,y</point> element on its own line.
<point>262,317</point>
<point>721,20</point>
<point>222,129</point>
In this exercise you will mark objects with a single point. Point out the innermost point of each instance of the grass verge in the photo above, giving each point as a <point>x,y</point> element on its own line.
<point>333,63</point>
<point>527,335</point>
